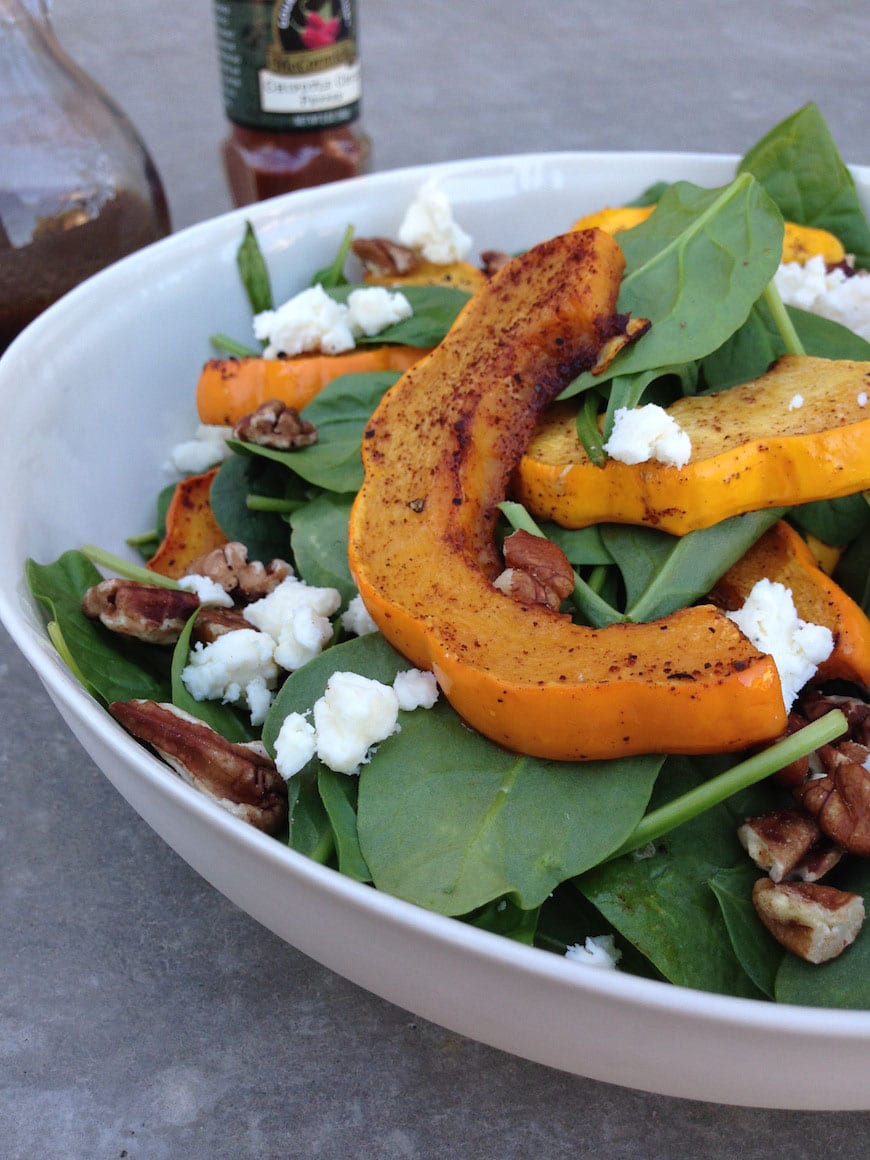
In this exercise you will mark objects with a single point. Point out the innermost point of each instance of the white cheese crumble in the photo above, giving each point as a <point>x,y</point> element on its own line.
<point>770,620</point>
<point>429,227</point>
<point>861,399</point>
<point>416,689</point>
<point>295,615</point>
<point>238,668</point>
<point>356,618</point>
<point>599,951</point>
<point>354,713</point>
<point>207,448</point>
<point>295,745</point>
<point>208,591</point>
<point>832,294</point>
<point>648,432</point>
<point>795,402</point>
<point>314,321</point>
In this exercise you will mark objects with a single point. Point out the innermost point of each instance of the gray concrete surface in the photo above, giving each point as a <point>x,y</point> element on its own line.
<point>141,1014</point>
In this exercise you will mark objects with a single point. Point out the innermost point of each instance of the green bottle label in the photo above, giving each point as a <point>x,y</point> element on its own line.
<point>288,64</point>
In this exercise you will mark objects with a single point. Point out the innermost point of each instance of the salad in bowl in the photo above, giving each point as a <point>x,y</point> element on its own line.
<point>529,587</point>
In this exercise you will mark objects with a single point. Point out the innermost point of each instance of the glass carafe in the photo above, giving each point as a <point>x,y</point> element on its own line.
<point>78,189</point>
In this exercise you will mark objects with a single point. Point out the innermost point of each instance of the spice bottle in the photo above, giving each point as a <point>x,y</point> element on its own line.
<point>78,189</point>
<point>290,72</point>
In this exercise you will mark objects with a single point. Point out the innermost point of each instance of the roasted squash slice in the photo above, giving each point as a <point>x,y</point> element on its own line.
<point>191,529</point>
<point>438,453</point>
<point>819,449</point>
<point>783,556</point>
<point>230,388</point>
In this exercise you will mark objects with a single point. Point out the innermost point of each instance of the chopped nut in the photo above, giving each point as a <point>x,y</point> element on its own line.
<point>815,704</point>
<point>493,260</point>
<point>812,921</point>
<point>778,841</point>
<point>241,778</point>
<point>796,772</point>
<point>840,801</point>
<point>818,861</point>
<point>214,622</point>
<point>537,572</point>
<point>245,581</point>
<point>276,425</point>
<point>147,612</point>
<point>384,258</point>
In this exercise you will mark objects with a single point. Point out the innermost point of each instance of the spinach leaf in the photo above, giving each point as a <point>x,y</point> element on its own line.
<point>333,274</point>
<point>663,573</point>
<point>853,572</point>
<point>450,821</point>
<point>310,831</point>
<point>751,349</point>
<point>338,792</point>
<point>113,667</point>
<point>264,534</point>
<point>844,981</point>
<point>582,546</point>
<point>435,309</point>
<point>340,413</point>
<point>759,954</point>
<point>663,904</point>
<point>253,272</point>
<point>834,521</point>
<point>699,246</point>
<point>502,916</point>
<point>319,541</point>
<point>800,166</point>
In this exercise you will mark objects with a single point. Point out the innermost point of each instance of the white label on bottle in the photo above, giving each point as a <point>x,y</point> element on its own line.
<point>310,94</point>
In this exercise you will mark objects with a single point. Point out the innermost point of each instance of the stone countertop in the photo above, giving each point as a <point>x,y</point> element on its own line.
<point>143,1015</point>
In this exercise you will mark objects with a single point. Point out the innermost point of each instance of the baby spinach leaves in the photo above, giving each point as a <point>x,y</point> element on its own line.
<point>699,246</point>
<point>113,669</point>
<point>800,166</point>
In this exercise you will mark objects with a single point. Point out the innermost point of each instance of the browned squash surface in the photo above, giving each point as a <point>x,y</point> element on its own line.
<point>438,453</point>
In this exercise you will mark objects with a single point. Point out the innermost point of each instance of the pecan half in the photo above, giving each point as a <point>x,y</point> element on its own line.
<point>812,921</point>
<point>147,612</point>
<point>276,425</point>
<point>384,258</point>
<point>241,778</point>
<point>537,572</point>
<point>840,801</point>
<point>815,704</point>
<point>244,580</point>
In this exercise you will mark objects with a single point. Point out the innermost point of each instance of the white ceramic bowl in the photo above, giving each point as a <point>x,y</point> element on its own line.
<point>109,374</point>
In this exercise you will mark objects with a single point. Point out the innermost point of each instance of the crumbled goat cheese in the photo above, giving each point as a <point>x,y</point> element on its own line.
<point>374,308</point>
<point>296,617</point>
<point>861,399</point>
<point>648,432</point>
<point>295,745</point>
<point>600,952</point>
<point>205,450</point>
<point>237,668</point>
<point>833,294</point>
<point>354,713</point>
<point>312,320</point>
<point>795,402</point>
<point>356,618</point>
<point>416,689</point>
<point>208,591</point>
<point>429,226</point>
<point>770,620</point>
